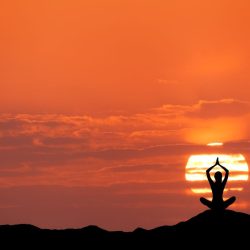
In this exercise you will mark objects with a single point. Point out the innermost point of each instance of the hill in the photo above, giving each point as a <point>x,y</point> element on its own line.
<point>208,229</point>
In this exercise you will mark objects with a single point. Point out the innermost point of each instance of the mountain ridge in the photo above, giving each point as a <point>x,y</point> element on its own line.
<point>213,225</point>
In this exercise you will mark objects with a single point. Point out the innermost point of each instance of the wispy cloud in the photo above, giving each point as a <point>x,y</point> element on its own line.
<point>78,150</point>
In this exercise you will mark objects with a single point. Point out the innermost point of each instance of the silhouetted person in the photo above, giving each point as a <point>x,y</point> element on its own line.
<point>217,187</point>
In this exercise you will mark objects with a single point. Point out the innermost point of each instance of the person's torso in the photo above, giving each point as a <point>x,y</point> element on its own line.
<point>217,189</point>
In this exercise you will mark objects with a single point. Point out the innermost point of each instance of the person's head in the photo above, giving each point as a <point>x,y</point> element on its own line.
<point>218,176</point>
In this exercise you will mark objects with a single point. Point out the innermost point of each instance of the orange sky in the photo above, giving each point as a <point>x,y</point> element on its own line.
<point>102,103</point>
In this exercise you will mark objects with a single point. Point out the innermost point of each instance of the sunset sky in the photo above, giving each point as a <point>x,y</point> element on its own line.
<point>102,102</point>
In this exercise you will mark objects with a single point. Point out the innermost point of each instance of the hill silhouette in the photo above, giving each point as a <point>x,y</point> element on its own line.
<point>208,229</point>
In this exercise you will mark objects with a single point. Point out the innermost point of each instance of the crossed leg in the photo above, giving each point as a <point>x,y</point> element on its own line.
<point>229,202</point>
<point>206,202</point>
<point>219,206</point>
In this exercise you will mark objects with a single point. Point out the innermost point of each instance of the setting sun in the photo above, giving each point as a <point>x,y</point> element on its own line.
<point>197,165</point>
<point>215,144</point>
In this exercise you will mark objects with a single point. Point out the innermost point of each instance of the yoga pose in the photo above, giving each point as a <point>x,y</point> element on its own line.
<point>217,187</point>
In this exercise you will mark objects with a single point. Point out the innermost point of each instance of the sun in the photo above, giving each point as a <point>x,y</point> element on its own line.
<point>197,165</point>
<point>215,144</point>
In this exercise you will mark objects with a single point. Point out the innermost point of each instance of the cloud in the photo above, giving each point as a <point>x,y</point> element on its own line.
<point>64,149</point>
<point>164,121</point>
<point>169,81</point>
<point>207,121</point>
<point>220,108</point>
<point>135,168</point>
<point>16,141</point>
<point>207,109</point>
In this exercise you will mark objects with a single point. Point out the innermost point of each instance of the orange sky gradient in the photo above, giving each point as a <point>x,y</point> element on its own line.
<point>102,102</point>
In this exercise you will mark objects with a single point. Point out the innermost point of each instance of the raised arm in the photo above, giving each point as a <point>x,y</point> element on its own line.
<point>208,175</point>
<point>209,169</point>
<point>226,174</point>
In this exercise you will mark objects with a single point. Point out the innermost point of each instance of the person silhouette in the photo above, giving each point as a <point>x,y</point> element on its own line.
<point>217,187</point>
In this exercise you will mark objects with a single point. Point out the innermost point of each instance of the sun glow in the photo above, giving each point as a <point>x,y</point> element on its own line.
<point>215,144</point>
<point>197,165</point>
